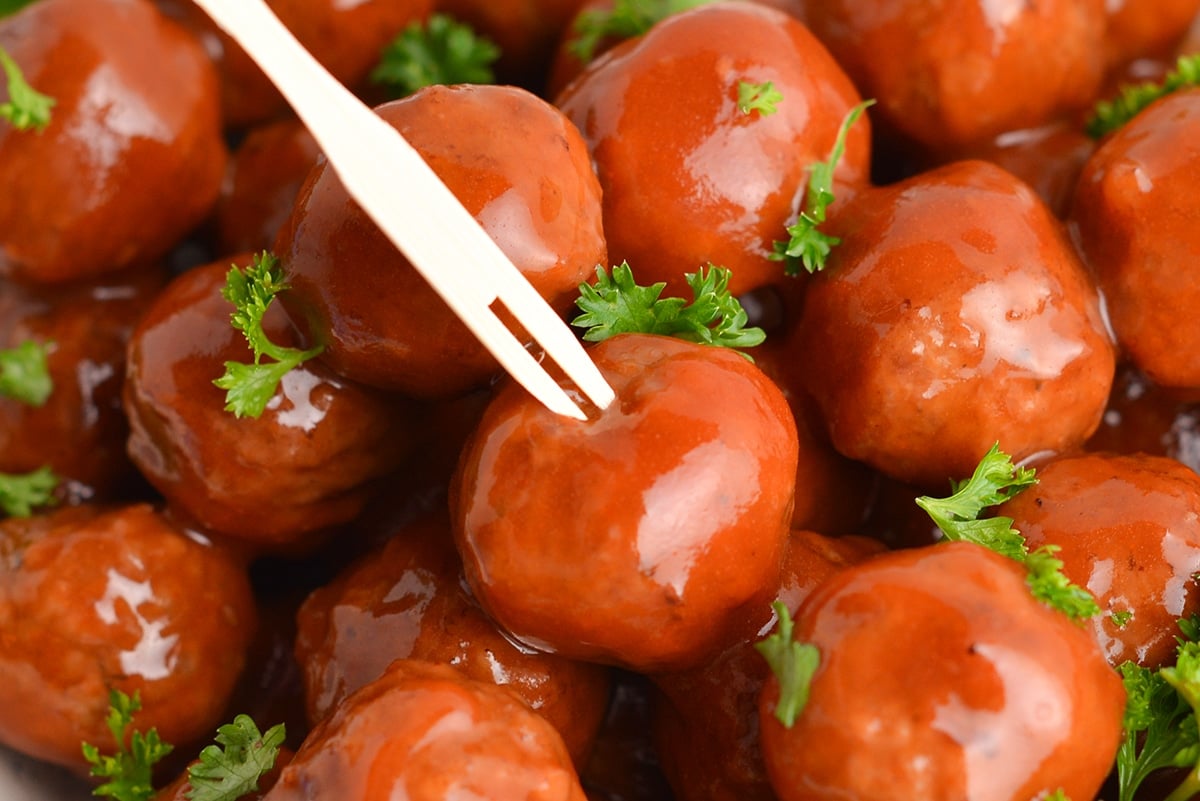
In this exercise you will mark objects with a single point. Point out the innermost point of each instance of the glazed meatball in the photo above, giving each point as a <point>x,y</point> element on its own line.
<point>408,601</point>
<point>1127,529</point>
<point>690,178</point>
<point>306,464</point>
<point>425,732</point>
<point>955,72</point>
<point>79,431</point>
<point>953,314</point>
<point>382,323</point>
<point>133,157</point>
<point>1139,231</point>
<point>984,692</point>
<point>97,599</point>
<point>650,536</point>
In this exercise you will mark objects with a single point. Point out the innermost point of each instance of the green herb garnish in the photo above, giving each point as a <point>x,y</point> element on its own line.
<point>793,663</point>
<point>26,107</point>
<point>129,770</point>
<point>626,19</point>
<point>21,493</point>
<point>617,305</point>
<point>1109,115</point>
<point>808,247</point>
<point>24,373</point>
<point>250,387</point>
<point>994,481</point>
<point>760,97</point>
<point>231,769</point>
<point>439,51</point>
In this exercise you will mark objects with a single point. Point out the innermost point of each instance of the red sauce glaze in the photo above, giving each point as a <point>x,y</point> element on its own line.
<point>1139,231</point>
<point>953,315</point>
<point>706,721</point>
<point>95,599</point>
<point>950,73</point>
<point>1129,530</point>
<point>131,126</point>
<point>261,185</point>
<point>80,430</point>
<point>425,732</point>
<point>942,678</point>
<point>305,464</point>
<point>659,524</point>
<point>346,37</point>
<point>408,601</point>
<point>1145,28</point>
<point>688,177</point>
<point>382,323</point>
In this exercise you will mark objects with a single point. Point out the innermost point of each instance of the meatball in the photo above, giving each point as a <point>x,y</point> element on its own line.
<point>95,599</point>
<point>425,732</point>
<point>80,430</point>
<point>1138,229</point>
<point>382,323</point>
<point>650,536</point>
<point>690,178</point>
<point>984,693</point>
<point>954,72</point>
<point>407,600</point>
<point>133,157</point>
<point>953,314</point>
<point>1127,529</point>
<point>307,463</point>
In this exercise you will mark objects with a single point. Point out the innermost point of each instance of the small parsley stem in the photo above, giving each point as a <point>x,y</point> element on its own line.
<point>26,107</point>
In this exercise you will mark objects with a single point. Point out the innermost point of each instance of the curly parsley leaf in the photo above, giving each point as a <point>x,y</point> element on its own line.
<point>21,493</point>
<point>793,663</point>
<point>760,97</point>
<point>1109,115</point>
<point>250,387</point>
<point>1050,585</point>
<point>129,770</point>
<point>994,481</point>
<point>24,373</point>
<point>26,107</point>
<point>626,19</point>
<point>1159,726</point>
<point>807,245</point>
<point>616,304</point>
<point>441,50</point>
<point>231,769</point>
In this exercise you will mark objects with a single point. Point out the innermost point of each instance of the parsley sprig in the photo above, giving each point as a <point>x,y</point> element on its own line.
<point>250,387</point>
<point>808,246</point>
<point>1160,723</point>
<point>793,663</point>
<point>441,50</point>
<point>994,481</point>
<point>1109,115</point>
<point>21,493</point>
<point>616,304</point>
<point>24,373</point>
<point>231,768</point>
<point>129,770</point>
<point>760,97</point>
<point>26,107</point>
<point>626,19</point>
